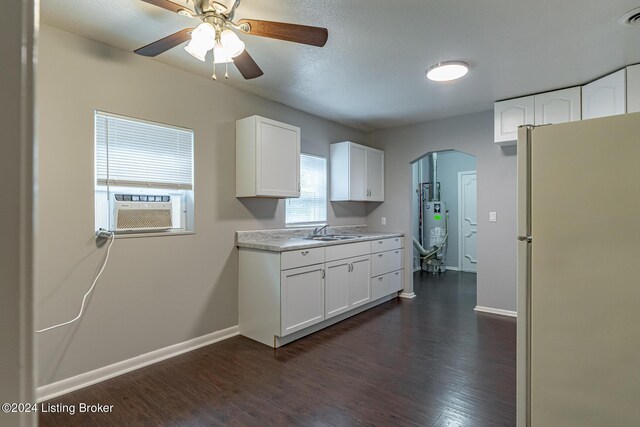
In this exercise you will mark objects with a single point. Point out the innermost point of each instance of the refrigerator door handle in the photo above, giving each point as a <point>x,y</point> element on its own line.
<point>527,239</point>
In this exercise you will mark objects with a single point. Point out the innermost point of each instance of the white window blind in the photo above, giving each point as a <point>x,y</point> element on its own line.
<point>135,153</point>
<point>311,206</point>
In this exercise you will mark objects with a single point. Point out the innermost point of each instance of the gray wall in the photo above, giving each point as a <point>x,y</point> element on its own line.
<point>16,214</point>
<point>496,166</point>
<point>156,291</point>
<point>449,164</point>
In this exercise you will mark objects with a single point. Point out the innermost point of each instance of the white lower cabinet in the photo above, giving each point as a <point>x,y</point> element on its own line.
<point>386,267</point>
<point>386,262</point>
<point>302,298</point>
<point>386,284</point>
<point>337,287</point>
<point>347,285</point>
<point>359,285</point>
<point>283,294</point>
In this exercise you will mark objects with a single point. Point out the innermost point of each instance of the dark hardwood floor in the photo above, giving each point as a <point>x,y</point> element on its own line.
<point>429,361</point>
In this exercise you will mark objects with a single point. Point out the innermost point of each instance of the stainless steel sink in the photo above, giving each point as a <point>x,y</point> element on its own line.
<point>322,238</point>
<point>332,237</point>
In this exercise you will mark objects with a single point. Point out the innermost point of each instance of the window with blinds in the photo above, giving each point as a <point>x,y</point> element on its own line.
<point>135,153</point>
<point>311,206</point>
<point>139,157</point>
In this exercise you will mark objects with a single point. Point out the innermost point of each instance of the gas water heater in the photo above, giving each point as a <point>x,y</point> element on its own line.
<point>434,235</point>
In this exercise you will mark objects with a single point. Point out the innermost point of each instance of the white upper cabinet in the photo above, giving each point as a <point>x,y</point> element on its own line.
<point>267,158</point>
<point>509,115</point>
<point>559,106</point>
<point>605,96</point>
<point>633,89</point>
<point>375,175</point>
<point>358,189</point>
<point>357,172</point>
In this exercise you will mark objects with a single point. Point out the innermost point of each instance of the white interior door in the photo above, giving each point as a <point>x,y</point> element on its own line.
<point>468,221</point>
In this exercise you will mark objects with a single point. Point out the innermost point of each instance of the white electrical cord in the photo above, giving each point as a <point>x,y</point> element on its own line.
<point>86,295</point>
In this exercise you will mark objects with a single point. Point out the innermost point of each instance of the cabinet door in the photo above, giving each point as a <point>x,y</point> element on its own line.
<point>357,172</point>
<point>360,281</point>
<point>375,175</point>
<point>278,159</point>
<point>509,115</point>
<point>605,96</point>
<point>337,287</point>
<point>560,106</point>
<point>633,89</point>
<point>301,298</point>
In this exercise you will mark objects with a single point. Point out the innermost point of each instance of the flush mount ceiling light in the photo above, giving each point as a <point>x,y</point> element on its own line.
<point>447,71</point>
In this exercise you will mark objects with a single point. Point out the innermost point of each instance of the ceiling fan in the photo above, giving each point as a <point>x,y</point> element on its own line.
<point>216,32</point>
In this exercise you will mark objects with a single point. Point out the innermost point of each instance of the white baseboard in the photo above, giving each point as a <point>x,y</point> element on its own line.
<point>407,295</point>
<point>497,311</point>
<point>86,379</point>
<point>452,268</point>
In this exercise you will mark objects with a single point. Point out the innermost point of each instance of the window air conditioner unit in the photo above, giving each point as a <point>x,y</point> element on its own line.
<point>135,212</point>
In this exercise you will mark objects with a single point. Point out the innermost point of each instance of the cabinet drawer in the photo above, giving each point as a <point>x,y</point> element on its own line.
<point>348,250</point>
<point>385,262</point>
<point>386,284</point>
<point>300,258</point>
<point>383,245</point>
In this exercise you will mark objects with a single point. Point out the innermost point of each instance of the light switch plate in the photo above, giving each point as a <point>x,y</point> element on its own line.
<point>493,217</point>
<point>383,220</point>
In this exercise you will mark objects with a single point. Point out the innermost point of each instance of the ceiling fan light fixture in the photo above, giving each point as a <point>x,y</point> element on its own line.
<point>232,43</point>
<point>203,39</point>
<point>447,71</point>
<point>221,55</point>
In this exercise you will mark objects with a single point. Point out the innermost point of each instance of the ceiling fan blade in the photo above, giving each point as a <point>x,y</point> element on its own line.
<point>169,5</point>
<point>247,66</point>
<point>314,36</point>
<point>164,44</point>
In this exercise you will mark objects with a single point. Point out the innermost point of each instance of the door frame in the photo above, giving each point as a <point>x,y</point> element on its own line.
<point>460,215</point>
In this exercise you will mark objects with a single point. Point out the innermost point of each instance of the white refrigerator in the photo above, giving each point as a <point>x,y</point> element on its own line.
<point>579,273</point>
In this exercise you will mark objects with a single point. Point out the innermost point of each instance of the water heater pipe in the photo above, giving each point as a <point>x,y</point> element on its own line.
<point>433,176</point>
<point>424,254</point>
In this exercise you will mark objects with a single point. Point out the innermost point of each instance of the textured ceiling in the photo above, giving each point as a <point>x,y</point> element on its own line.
<point>370,75</point>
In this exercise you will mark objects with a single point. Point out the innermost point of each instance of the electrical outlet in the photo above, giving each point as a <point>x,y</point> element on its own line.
<point>383,220</point>
<point>493,217</point>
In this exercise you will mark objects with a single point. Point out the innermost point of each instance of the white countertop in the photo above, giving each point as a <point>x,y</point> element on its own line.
<point>294,239</point>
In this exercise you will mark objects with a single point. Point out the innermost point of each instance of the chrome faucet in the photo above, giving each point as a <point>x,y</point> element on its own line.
<point>320,230</point>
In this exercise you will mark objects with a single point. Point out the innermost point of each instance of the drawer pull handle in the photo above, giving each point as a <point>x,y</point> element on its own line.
<point>397,240</point>
<point>397,272</point>
<point>304,253</point>
<point>380,278</point>
<point>380,242</point>
<point>381,255</point>
<point>397,252</point>
<point>323,274</point>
